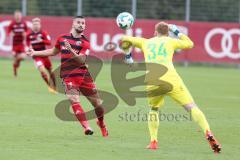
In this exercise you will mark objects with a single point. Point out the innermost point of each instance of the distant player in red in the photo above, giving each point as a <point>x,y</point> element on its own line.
<point>37,39</point>
<point>18,29</point>
<point>74,48</point>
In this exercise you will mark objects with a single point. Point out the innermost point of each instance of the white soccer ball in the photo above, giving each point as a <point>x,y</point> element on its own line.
<point>125,20</point>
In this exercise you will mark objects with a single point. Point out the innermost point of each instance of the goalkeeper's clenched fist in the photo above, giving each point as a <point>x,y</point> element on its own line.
<point>126,46</point>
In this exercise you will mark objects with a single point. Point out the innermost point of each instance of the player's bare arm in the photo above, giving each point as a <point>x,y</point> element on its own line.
<point>183,41</point>
<point>45,53</point>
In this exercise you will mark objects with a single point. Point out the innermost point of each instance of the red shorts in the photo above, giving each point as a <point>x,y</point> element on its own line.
<point>85,85</point>
<point>43,61</point>
<point>18,49</point>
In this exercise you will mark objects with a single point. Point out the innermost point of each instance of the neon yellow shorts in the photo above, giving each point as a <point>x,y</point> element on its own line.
<point>179,93</point>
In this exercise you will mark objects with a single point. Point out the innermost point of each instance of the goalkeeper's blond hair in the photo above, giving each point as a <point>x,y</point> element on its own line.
<point>162,28</point>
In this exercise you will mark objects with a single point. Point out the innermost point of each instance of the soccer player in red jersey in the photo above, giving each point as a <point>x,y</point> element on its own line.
<point>37,39</point>
<point>18,29</point>
<point>74,48</point>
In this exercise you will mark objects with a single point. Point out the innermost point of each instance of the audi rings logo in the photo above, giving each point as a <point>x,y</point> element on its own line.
<point>3,35</point>
<point>226,43</point>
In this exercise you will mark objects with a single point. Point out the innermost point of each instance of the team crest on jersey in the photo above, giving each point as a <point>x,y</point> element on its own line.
<point>39,35</point>
<point>78,42</point>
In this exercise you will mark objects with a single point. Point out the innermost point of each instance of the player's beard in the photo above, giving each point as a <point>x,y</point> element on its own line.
<point>36,30</point>
<point>78,30</point>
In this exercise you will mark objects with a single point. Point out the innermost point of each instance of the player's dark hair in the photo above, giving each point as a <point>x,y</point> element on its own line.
<point>79,17</point>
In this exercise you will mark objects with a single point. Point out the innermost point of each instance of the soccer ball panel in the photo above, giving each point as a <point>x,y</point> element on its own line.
<point>125,20</point>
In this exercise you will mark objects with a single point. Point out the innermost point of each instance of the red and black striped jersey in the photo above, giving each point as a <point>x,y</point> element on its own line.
<point>69,66</point>
<point>38,40</point>
<point>18,29</point>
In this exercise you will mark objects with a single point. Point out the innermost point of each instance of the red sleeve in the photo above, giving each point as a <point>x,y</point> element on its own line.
<point>57,44</point>
<point>28,39</point>
<point>46,38</point>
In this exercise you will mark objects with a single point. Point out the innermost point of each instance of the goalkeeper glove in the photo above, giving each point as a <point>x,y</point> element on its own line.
<point>128,58</point>
<point>173,28</point>
<point>126,47</point>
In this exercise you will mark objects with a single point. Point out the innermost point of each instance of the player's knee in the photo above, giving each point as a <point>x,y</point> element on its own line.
<point>20,58</point>
<point>43,74</point>
<point>41,68</point>
<point>16,65</point>
<point>99,111</point>
<point>51,74</point>
<point>97,103</point>
<point>189,106</point>
<point>73,99</point>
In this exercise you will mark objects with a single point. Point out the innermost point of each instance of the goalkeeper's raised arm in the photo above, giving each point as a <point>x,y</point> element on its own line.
<point>133,41</point>
<point>184,42</point>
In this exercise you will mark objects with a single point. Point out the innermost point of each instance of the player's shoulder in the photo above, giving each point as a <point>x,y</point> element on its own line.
<point>167,38</point>
<point>29,33</point>
<point>160,39</point>
<point>154,39</point>
<point>85,38</point>
<point>44,32</point>
<point>12,22</point>
<point>24,22</point>
<point>172,39</point>
<point>64,36</point>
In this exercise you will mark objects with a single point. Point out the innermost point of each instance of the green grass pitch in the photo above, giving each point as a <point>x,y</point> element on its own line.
<point>30,130</point>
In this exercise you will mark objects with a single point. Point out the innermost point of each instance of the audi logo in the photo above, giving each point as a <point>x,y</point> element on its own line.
<point>3,36</point>
<point>226,43</point>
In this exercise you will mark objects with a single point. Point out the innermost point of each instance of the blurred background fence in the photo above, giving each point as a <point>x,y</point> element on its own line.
<point>188,10</point>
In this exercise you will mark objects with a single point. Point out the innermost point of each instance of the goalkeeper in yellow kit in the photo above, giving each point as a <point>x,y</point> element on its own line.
<point>160,50</point>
